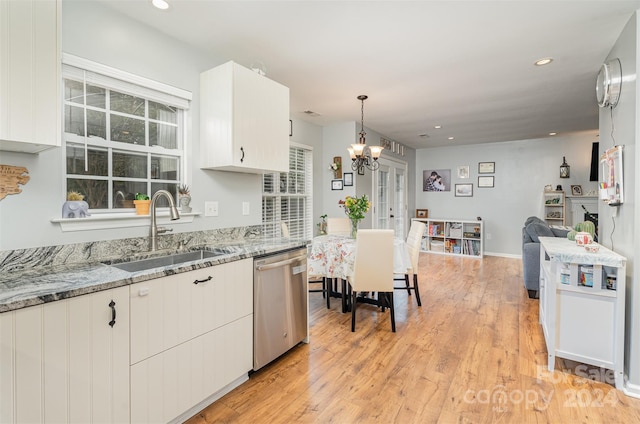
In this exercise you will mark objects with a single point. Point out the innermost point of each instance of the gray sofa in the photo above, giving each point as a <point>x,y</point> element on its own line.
<point>535,227</point>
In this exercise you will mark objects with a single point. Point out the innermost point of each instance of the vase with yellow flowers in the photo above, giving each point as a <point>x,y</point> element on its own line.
<point>355,208</point>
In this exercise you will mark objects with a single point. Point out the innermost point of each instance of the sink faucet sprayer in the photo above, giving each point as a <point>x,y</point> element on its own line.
<point>173,213</point>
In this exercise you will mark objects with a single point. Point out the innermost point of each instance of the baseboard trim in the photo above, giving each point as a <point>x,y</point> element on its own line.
<point>503,255</point>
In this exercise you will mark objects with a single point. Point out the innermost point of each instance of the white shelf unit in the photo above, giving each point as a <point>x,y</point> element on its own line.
<point>582,303</point>
<point>554,207</point>
<point>453,237</point>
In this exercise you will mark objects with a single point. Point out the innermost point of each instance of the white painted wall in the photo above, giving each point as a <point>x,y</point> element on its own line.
<point>622,236</point>
<point>522,169</point>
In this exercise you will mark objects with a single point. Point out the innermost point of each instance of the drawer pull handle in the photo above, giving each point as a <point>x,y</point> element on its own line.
<point>112,305</point>
<point>203,281</point>
<point>242,151</point>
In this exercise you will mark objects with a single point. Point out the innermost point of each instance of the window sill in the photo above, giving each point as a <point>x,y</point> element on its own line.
<point>104,221</point>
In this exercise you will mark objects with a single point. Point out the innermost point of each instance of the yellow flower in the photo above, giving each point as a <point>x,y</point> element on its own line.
<point>356,207</point>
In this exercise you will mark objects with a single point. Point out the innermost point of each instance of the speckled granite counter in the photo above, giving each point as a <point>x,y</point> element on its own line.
<point>564,250</point>
<point>45,275</point>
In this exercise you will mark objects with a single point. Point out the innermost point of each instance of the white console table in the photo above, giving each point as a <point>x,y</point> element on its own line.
<point>582,322</point>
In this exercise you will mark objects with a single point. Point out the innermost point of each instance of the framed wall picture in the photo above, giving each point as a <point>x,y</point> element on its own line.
<point>485,181</point>
<point>348,179</point>
<point>336,184</point>
<point>576,190</point>
<point>436,180</point>
<point>486,167</point>
<point>463,171</point>
<point>464,190</point>
<point>422,213</point>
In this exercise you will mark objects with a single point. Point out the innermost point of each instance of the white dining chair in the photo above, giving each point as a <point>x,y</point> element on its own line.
<point>414,240</point>
<point>373,272</point>
<point>338,226</point>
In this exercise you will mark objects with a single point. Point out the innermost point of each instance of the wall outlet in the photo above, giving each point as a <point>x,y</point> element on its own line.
<point>210,208</point>
<point>245,208</point>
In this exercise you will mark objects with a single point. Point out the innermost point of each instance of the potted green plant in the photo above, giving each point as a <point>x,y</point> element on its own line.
<point>184,197</point>
<point>142,203</point>
<point>322,225</point>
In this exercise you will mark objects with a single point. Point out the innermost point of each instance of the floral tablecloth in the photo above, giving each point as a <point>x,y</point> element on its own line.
<point>333,256</point>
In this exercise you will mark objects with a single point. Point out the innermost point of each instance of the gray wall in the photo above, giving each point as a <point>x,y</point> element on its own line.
<point>132,47</point>
<point>627,219</point>
<point>522,169</point>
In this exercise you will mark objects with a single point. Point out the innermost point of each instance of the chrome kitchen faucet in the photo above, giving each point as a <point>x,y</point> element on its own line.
<point>154,230</point>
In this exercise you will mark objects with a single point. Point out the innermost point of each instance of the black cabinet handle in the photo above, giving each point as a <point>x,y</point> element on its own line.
<point>203,281</point>
<point>242,158</point>
<point>112,305</point>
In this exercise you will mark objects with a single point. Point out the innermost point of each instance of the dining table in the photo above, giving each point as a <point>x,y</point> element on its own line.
<point>332,256</point>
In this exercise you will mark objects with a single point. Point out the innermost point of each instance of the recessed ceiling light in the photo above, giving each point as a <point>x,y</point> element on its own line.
<point>160,4</point>
<point>437,127</point>
<point>543,61</point>
<point>553,133</point>
<point>450,138</point>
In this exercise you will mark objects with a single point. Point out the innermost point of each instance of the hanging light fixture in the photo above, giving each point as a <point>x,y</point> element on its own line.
<point>362,156</point>
<point>564,168</point>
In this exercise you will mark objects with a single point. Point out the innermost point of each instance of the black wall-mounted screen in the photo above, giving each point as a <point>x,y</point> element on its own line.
<point>595,159</point>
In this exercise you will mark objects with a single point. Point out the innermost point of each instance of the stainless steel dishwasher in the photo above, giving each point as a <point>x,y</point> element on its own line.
<point>280,304</point>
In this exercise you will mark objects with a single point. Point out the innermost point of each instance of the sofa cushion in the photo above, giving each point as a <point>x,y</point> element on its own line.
<point>559,232</point>
<point>533,219</point>
<point>537,229</point>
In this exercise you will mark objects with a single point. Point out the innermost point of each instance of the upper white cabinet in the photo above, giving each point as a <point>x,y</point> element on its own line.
<point>29,75</point>
<point>244,121</point>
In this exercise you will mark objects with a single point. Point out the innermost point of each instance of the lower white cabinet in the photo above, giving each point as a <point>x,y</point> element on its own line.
<point>64,362</point>
<point>191,336</point>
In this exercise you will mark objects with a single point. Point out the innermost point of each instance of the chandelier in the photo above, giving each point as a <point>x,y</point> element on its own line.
<point>360,154</point>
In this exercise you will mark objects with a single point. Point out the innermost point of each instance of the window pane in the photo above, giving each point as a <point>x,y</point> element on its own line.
<point>162,201</point>
<point>125,103</point>
<point>74,120</point>
<point>129,165</point>
<point>98,163</point>
<point>127,130</point>
<point>164,168</point>
<point>268,209</point>
<point>124,192</point>
<point>163,135</point>
<point>96,96</point>
<point>283,183</point>
<point>97,123</point>
<point>162,112</point>
<point>267,183</point>
<point>73,91</point>
<point>94,191</point>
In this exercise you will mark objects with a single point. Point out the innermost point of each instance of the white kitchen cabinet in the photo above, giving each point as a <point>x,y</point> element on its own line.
<point>64,362</point>
<point>188,340</point>
<point>30,103</point>
<point>244,121</point>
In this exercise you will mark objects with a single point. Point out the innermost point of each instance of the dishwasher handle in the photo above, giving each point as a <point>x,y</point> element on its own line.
<point>279,264</point>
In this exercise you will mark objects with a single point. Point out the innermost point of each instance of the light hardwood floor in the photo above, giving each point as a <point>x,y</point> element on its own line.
<point>473,353</point>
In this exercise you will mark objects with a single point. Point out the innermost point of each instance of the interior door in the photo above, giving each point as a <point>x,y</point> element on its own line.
<point>390,197</point>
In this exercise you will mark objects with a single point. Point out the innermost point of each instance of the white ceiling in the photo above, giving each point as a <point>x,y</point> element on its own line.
<point>465,65</point>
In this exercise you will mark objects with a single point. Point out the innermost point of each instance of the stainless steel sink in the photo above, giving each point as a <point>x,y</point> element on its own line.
<point>163,261</point>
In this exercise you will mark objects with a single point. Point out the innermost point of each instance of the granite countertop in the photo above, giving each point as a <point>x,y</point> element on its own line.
<point>564,250</point>
<point>38,285</point>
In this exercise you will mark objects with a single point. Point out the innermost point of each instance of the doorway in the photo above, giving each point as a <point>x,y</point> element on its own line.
<point>390,197</point>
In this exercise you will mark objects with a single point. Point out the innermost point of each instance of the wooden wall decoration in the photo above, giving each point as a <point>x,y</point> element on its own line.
<point>11,177</point>
<point>337,174</point>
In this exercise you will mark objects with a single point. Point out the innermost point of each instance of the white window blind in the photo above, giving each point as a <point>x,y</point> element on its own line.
<point>287,197</point>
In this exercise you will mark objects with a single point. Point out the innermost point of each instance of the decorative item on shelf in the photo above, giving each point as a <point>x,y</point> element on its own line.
<point>355,208</point>
<point>184,197</point>
<point>322,225</point>
<point>336,167</point>
<point>75,206</point>
<point>142,203</point>
<point>361,156</point>
<point>564,169</point>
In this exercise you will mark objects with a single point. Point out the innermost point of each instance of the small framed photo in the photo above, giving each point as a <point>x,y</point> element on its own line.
<point>486,167</point>
<point>464,190</point>
<point>336,184</point>
<point>576,190</point>
<point>485,181</point>
<point>463,171</point>
<point>348,179</point>
<point>422,213</point>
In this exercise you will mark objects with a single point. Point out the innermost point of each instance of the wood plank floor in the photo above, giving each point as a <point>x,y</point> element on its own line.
<point>473,353</point>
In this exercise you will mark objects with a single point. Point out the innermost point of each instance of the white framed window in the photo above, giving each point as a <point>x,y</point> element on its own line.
<point>122,135</point>
<point>287,197</point>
